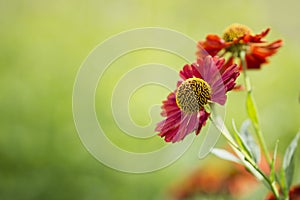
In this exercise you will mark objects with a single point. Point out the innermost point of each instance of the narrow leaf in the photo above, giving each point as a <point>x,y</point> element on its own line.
<point>239,140</point>
<point>222,153</point>
<point>249,141</point>
<point>250,168</point>
<point>283,183</point>
<point>251,109</point>
<point>272,174</point>
<point>288,161</point>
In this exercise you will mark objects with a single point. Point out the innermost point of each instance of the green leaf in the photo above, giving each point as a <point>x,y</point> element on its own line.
<point>251,109</point>
<point>272,173</point>
<point>222,153</point>
<point>249,141</point>
<point>288,161</point>
<point>251,168</point>
<point>283,183</point>
<point>239,139</point>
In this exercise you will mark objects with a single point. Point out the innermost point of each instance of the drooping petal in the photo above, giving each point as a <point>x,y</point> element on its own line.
<point>188,124</point>
<point>208,68</point>
<point>258,53</point>
<point>229,76</point>
<point>218,94</point>
<point>254,62</point>
<point>203,116</point>
<point>228,63</point>
<point>177,127</point>
<point>219,62</point>
<point>266,50</point>
<point>238,88</point>
<point>173,117</point>
<point>169,106</point>
<point>224,84</point>
<point>213,44</point>
<point>177,124</point>
<point>255,38</point>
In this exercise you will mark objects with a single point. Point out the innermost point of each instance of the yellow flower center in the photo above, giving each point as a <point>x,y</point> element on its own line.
<point>192,95</point>
<point>235,31</point>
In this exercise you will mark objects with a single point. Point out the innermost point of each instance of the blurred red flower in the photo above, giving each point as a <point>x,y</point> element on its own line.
<point>213,179</point>
<point>294,194</point>
<point>237,38</point>
<point>219,177</point>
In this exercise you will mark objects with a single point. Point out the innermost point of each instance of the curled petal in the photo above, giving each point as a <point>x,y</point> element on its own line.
<point>229,76</point>
<point>258,54</point>
<point>266,50</point>
<point>222,80</point>
<point>255,38</point>
<point>239,88</point>
<point>176,127</point>
<point>213,44</point>
<point>227,64</point>
<point>189,71</point>
<point>203,116</point>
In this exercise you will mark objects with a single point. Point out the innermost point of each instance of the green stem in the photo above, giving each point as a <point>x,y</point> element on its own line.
<point>245,154</point>
<point>254,122</point>
<point>227,136</point>
<point>254,119</point>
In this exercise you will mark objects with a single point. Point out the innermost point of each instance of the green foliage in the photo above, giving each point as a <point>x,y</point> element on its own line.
<point>251,108</point>
<point>223,154</point>
<point>246,141</point>
<point>249,141</point>
<point>288,164</point>
<point>273,174</point>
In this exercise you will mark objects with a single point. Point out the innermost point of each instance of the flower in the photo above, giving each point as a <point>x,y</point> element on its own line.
<point>237,38</point>
<point>231,180</point>
<point>202,83</point>
<point>294,194</point>
<point>214,178</point>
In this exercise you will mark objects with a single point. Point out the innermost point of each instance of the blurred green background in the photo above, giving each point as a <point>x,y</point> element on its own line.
<point>42,45</point>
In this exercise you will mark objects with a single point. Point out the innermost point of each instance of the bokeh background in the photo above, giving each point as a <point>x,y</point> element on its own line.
<point>42,45</point>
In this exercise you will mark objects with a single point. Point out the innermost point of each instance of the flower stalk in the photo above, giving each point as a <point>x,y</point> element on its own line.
<point>252,113</point>
<point>246,156</point>
<point>204,84</point>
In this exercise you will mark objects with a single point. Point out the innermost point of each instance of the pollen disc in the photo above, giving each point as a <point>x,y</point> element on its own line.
<point>235,31</point>
<point>192,95</point>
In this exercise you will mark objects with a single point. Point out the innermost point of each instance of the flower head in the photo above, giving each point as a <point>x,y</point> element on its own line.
<point>235,31</point>
<point>237,38</point>
<point>202,83</point>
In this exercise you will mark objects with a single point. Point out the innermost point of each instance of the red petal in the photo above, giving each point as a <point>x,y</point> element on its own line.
<point>258,54</point>
<point>202,120</point>
<point>177,125</point>
<point>227,64</point>
<point>213,44</point>
<point>186,72</point>
<point>255,38</point>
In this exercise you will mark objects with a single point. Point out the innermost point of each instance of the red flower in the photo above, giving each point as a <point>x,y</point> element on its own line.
<point>202,82</point>
<point>214,178</point>
<point>237,38</point>
<point>218,178</point>
<point>294,194</point>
